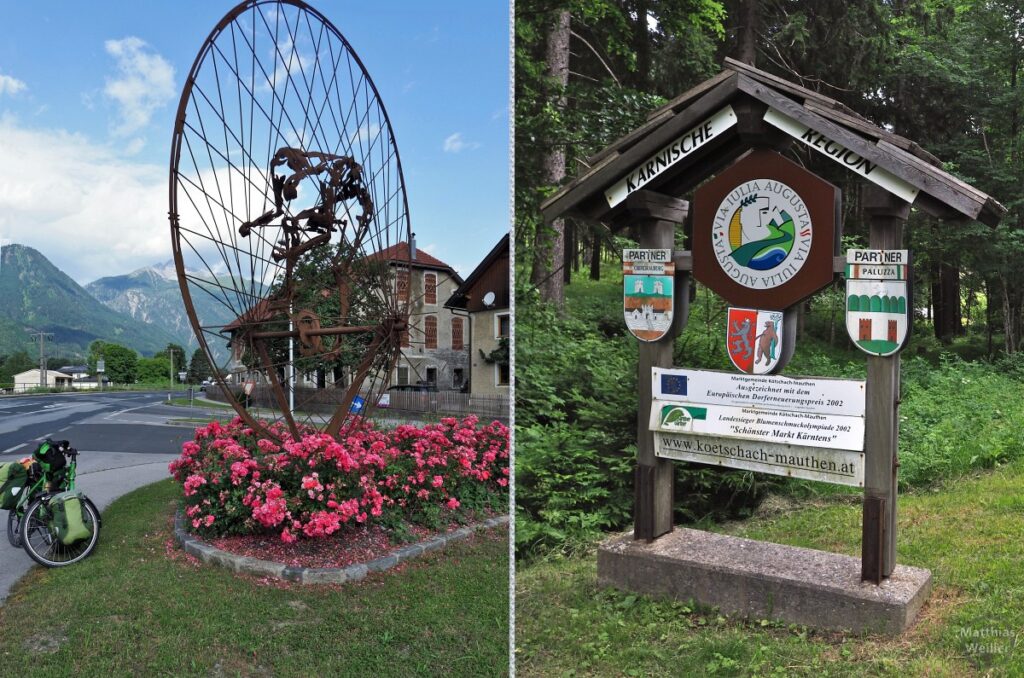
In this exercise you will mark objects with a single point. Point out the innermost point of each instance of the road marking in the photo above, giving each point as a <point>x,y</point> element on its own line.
<point>63,429</point>
<point>114,414</point>
<point>12,449</point>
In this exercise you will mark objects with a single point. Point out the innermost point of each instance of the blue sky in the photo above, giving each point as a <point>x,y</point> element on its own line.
<point>88,92</point>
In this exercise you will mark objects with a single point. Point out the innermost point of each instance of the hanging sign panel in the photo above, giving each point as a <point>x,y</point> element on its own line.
<point>878,303</point>
<point>840,467</point>
<point>764,232</point>
<point>819,395</point>
<point>648,278</point>
<point>844,156</point>
<point>755,423</point>
<point>756,340</point>
<point>691,140</point>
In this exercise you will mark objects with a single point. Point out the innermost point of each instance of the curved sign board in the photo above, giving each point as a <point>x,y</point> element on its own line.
<point>764,232</point>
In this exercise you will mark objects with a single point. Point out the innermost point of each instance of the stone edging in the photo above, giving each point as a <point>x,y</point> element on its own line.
<point>319,575</point>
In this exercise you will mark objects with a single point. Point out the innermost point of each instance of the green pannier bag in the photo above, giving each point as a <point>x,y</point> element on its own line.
<point>13,479</point>
<point>66,509</point>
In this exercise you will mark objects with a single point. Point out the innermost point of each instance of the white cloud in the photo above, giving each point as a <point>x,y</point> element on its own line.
<point>87,210</point>
<point>10,85</point>
<point>454,143</point>
<point>144,83</point>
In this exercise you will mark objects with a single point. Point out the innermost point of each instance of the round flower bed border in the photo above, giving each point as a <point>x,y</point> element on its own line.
<point>319,575</point>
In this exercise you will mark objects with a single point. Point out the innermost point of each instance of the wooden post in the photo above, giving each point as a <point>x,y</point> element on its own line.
<point>878,547</point>
<point>656,217</point>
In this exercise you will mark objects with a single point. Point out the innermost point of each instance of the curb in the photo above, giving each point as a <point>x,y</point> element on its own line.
<point>319,575</point>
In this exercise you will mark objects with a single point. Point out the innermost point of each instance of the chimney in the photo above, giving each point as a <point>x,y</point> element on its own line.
<point>412,247</point>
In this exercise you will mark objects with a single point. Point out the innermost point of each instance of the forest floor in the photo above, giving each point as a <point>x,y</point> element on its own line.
<point>969,533</point>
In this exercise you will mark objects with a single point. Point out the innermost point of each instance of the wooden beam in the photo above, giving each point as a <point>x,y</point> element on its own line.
<point>598,179</point>
<point>654,489</point>
<point>881,439</point>
<point>910,171</point>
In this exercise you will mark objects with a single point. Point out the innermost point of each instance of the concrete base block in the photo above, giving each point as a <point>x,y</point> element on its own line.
<point>764,581</point>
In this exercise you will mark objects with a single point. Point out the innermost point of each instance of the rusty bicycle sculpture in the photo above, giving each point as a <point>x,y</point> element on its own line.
<point>289,218</point>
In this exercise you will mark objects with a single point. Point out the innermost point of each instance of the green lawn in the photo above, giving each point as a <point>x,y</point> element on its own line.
<point>970,534</point>
<point>131,610</point>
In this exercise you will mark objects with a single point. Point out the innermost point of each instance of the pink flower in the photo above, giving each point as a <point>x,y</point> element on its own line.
<point>453,503</point>
<point>437,481</point>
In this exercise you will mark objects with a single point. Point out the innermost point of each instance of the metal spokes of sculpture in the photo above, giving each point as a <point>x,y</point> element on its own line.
<point>289,219</point>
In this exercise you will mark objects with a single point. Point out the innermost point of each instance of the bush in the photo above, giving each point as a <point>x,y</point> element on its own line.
<point>236,482</point>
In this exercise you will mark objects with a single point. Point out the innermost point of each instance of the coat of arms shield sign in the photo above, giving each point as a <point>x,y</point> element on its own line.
<point>648,278</point>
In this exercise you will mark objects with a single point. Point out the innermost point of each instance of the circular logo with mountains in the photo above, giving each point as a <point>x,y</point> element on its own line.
<point>761,233</point>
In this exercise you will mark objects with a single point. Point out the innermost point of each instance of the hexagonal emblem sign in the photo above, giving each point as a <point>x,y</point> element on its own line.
<point>764,232</point>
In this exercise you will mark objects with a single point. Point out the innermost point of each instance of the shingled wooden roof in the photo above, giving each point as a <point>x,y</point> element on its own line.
<point>751,93</point>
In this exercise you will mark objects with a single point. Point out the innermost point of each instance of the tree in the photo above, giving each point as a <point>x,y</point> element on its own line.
<point>153,370</point>
<point>121,363</point>
<point>15,363</point>
<point>178,363</point>
<point>199,368</point>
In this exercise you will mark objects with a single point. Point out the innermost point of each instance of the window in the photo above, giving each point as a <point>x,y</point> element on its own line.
<point>430,288</point>
<point>432,375</point>
<point>458,378</point>
<point>405,334</point>
<point>403,376</point>
<point>430,332</point>
<point>402,284</point>
<point>457,341</point>
<point>503,374</point>
<point>504,326</point>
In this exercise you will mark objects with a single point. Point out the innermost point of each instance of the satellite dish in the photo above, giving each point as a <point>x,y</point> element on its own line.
<point>489,299</point>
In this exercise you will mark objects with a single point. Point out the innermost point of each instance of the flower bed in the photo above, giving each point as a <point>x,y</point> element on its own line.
<point>238,483</point>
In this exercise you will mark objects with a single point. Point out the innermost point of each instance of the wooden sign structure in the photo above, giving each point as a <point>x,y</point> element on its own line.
<point>636,181</point>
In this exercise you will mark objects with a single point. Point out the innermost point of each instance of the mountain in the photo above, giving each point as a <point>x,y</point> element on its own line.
<point>37,296</point>
<point>152,295</point>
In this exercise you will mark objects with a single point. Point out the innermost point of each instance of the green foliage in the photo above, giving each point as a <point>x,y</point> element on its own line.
<point>957,417</point>
<point>16,363</point>
<point>121,363</point>
<point>153,370</point>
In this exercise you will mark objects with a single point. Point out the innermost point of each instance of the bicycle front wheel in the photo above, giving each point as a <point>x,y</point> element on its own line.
<point>41,542</point>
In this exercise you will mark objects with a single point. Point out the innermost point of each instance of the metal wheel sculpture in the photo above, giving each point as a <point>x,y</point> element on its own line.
<point>288,217</point>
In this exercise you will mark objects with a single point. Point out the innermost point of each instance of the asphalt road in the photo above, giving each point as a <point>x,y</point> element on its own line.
<point>125,442</point>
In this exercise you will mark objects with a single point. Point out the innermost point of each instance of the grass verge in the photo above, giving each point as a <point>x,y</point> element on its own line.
<point>968,533</point>
<point>130,609</point>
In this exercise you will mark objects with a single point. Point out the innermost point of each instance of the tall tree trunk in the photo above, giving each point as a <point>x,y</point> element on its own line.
<point>641,78</point>
<point>549,252</point>
<point>749,18</point>
<point>569,260</point>
<point>595,256</point>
